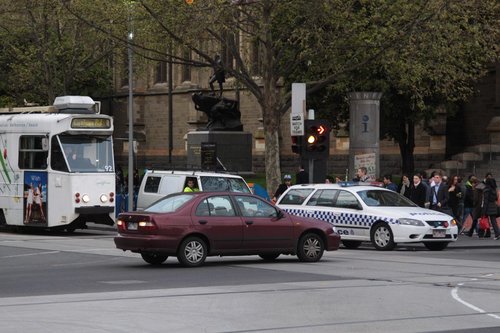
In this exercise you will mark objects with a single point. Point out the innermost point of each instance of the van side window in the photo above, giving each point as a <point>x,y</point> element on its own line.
<point>152,184</point>
<point>33,152</point>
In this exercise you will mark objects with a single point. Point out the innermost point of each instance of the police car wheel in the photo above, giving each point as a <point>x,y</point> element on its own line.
<point>269,256</point>
<point>154,258</point>
<point>351,244</point>
<point>436,246</point>
<point>382,237</point>
<point>311,248</point>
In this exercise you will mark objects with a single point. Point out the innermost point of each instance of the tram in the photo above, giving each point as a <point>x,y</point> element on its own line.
<point>57,165</point>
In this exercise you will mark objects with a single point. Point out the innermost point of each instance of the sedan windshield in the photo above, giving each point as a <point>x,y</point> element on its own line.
<point>169,204</point>
<point>384,199</point>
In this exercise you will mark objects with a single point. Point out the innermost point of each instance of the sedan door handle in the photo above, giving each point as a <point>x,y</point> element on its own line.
<point>249,222</point>
<point>202,221</point>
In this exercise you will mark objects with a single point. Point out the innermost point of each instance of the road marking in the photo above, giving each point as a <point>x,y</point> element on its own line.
<point>454,294</point>
<point>29,254</point>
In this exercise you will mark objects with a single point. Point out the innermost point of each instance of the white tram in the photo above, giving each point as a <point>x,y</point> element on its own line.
<point>56,165</point>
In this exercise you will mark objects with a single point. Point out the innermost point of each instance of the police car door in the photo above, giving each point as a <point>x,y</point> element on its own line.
<point>350,220</point>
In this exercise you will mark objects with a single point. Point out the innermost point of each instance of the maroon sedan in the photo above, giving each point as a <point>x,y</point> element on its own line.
<point>195,225</point>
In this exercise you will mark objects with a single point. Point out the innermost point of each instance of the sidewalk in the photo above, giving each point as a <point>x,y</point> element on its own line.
<point>475,242</point>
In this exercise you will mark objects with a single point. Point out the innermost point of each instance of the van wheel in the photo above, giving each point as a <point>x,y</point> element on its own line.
<point>154,258</point>
<point>382,237</point>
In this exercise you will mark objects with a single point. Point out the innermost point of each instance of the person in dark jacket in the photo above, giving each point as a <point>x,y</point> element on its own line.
<point>302,177</point>
<point>418,191</point>
<point>287,182</point>
<point>455,195</point>
<point>404,187</point>
<point>489,206</point>
<point>477,201</point>
<point>439,195</point>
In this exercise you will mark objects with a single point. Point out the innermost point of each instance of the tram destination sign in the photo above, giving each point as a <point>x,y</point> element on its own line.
<point>90,123</point>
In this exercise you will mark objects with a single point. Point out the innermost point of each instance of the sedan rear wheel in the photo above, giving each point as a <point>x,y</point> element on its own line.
<point>382,237</point>
<point>154,258</point>
<point>311,248</point>
<point>436,246</point>
<point>192,252</point>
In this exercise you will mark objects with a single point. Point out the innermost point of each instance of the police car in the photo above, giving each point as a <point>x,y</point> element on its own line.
<point>364,213</point>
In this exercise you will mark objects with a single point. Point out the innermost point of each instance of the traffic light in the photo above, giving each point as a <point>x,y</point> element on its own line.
<point>316,139</point>
<point>296,144</point>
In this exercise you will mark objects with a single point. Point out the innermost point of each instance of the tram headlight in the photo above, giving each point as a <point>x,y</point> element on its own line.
<point>104,198</point>
<point>85,198</point>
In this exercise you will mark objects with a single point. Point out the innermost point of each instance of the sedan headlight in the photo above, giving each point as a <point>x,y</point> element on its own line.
<point>413,222</point>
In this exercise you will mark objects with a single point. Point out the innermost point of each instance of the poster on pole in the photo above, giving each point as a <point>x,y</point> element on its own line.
<point>368,161</point>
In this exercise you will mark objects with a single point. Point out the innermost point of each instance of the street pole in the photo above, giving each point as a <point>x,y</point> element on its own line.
<point>130,123</point>
<point>170,109</point>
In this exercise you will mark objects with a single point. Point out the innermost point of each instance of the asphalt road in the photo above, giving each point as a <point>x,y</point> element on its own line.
<point>53,282</point>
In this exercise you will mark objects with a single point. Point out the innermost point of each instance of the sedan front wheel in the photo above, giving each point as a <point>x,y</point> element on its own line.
<point>192,252</point>
<point>311,248</point>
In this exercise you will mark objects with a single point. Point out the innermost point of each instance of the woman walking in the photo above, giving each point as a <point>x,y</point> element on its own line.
<point>489,208</point>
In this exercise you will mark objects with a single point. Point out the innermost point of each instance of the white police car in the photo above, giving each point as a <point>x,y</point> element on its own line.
<point>363,213</point>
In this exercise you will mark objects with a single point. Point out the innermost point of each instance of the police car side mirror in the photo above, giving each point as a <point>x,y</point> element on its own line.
<point>279,214</point>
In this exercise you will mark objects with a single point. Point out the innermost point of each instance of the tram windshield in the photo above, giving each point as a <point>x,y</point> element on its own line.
<point>82,153</point>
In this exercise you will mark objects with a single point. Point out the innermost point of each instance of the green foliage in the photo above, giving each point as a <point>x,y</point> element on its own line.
<point>47,52</point>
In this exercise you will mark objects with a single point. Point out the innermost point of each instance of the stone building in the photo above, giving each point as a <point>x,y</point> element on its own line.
<point>466,143</point>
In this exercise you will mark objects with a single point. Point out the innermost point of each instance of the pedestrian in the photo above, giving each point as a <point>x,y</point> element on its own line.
<point>468,197</point>
<point>455,195</point>
<point>477,199</point>
<point>418,191</point>
<point>361,175</point>
<point>388,184</point>
<point>302,177</point>
<point>439,194</point>
<point>404,188</point>
<point>329,180</point>
<point>489,206</point>
<point>119,180</point>
<point>287,182</point>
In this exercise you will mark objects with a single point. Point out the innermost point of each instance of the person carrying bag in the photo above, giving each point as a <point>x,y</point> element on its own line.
<point>490,208</point>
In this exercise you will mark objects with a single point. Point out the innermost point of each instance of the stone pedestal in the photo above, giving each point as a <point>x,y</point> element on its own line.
<point>234,149</point>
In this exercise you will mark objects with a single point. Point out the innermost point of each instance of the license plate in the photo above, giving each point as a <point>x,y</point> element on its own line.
<point>438,233</point>
<point>132,225</point>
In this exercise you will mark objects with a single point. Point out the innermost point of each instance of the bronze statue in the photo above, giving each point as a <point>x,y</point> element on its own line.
<point>218,75</point>
<point>223,114</point>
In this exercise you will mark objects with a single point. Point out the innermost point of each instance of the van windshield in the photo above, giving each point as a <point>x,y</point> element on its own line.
<point>223,184</point>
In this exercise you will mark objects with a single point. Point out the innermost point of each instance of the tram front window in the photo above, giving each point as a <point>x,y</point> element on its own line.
<point>82,153</point>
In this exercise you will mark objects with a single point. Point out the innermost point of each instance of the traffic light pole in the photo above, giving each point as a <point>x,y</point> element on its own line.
<point>311,171</point>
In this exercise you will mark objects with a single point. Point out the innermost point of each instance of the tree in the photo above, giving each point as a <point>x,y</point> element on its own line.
<point>453,47</point>
<point>268,44</point>
<point>46,52</point>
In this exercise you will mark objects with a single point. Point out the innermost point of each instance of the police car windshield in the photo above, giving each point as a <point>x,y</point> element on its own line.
<point>382,198</point>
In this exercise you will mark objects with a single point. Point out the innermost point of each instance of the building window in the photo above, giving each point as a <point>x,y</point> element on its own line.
<point>186,68</point>
<point>33,152</point>
<point>161,72</point>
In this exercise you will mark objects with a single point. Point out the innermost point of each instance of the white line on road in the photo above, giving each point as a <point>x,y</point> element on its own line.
<point>29,254</point>
<point>454,294</point>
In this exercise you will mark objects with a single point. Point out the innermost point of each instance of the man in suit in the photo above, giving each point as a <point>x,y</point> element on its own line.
<point>439,194</point>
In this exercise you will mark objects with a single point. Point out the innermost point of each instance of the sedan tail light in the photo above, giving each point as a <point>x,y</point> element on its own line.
<point>147,226</point>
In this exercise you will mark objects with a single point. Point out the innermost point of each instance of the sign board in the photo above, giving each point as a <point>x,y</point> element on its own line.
<point>298,109</point>
<point>296,124</point>
<point>208,154</point>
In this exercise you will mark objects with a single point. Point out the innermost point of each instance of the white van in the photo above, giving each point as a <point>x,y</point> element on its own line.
<point>158,183</point>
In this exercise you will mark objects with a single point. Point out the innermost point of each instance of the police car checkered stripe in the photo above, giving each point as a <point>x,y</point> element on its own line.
<point>341,219</point>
